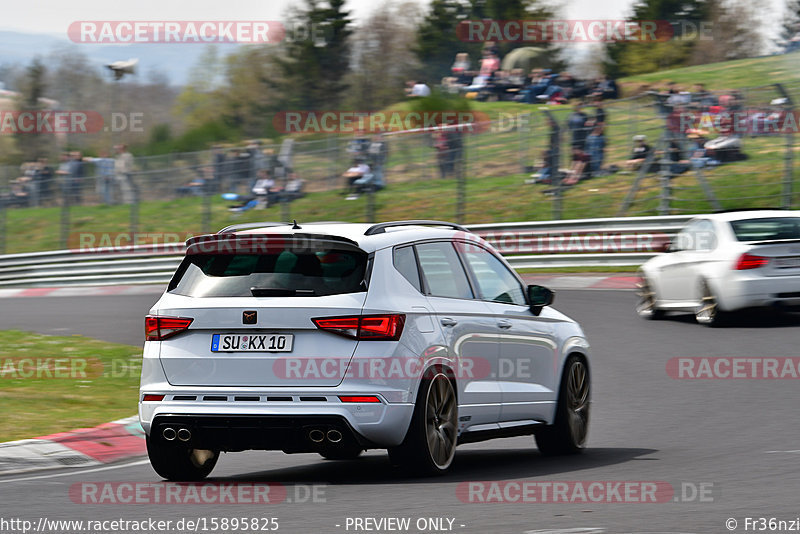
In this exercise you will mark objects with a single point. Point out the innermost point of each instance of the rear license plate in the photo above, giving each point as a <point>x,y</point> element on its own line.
<point>785,263</point>
<point>251,342</point>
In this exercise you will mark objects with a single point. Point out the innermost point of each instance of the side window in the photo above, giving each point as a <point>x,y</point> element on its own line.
<point>444,275</point>
<point>495,281</point>
<point>406,263</point>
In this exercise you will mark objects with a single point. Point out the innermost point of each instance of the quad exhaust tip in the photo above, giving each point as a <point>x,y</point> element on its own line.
<point>334,436</point>
<point>316,435</point>
<point>169,434</point>
<point>184,434</point>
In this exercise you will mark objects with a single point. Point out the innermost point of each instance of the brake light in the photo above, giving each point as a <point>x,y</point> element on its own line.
<point>359,399</point>
<point>159,328</point>
<point>749,261</point>
<point>149,398</point>
<point>364,327</point>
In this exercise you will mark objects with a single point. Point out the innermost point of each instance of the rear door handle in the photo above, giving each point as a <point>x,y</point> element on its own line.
<point>505,325</point>
<point>447,321</point>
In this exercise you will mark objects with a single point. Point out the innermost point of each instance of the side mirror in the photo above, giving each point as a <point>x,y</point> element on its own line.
<point>667,247</point>
<point>539,297</point>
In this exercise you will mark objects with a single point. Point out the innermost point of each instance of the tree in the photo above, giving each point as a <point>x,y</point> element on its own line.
<point>632,57</point>
<point>437,42</point>
<point>314,68</point>
<point>735,33</point>
<point>382,57</point>
<point>33,145</point>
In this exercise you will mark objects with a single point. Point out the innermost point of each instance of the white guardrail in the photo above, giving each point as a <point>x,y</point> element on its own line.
<point>621,241</point>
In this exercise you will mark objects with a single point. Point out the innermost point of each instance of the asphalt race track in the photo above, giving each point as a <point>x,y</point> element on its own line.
<point>737,440</point>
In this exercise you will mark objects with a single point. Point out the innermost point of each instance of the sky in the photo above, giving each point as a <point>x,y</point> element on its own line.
<point>54,16</point>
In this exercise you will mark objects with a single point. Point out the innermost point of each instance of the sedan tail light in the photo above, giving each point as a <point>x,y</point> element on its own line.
<point>364,327</point>
<point>750,261</point>
<point>159,327</point>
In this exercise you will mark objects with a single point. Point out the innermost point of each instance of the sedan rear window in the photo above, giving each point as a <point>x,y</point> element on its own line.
<point>768,229</point>
<point>284,273</point>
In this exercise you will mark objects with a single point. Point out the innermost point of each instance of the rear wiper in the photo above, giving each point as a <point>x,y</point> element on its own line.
<point>281,292</point>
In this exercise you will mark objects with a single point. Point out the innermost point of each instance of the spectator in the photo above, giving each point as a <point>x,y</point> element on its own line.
<point>357,172</point>
<point>639,154</point>
<point>577,127</point>
<point>218,159</point>
<point>377,153</point>
<point>45,177</point>
<point>489,63</point>
<point>123,169</point>
<point>420,89</point>
<point>104,177</point>
<point>442,153</point>
<point>74,182</point>
<point>580,167</point>
<point>600,112</point>
<point>677,164</point>
<point>595,147</point>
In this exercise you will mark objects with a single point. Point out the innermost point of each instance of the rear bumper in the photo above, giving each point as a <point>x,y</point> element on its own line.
<point>749,290</point>
<point>290,434</point>
<point>277,425</point>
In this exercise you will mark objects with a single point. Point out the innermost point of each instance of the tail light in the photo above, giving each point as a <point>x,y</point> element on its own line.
<point>359,398</point>
<point>159,328</point>
<point>364,327</point>
<point>147,397</point>
<point>749,261</point>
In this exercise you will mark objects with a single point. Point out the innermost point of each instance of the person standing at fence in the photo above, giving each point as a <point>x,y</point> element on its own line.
<point>123,167</point>
<point>45,178</point>
<point>377,153</point>
<point>75,179</point>
<point>104,177</point>
<point>595,147</point>
<point>577,127</point>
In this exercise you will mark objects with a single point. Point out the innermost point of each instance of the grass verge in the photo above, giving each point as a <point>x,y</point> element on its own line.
<point>53,384</point>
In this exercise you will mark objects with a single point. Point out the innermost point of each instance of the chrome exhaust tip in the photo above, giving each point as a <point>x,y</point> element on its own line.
<point>334,436</point>
<point>316,435</point>
<point>169,434</point>
<point>184,434</point>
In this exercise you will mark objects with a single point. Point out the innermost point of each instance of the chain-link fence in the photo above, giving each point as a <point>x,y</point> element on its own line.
<point>530,163</point>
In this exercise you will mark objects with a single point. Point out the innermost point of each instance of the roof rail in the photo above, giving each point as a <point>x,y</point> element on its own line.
<point>248,226</point>
<point>381,227</point>
<point>734,210</point>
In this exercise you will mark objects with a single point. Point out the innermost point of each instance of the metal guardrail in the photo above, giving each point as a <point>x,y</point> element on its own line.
<point>575,241</point>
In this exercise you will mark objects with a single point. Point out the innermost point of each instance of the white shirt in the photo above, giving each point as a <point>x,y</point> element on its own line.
<point>420,89</point>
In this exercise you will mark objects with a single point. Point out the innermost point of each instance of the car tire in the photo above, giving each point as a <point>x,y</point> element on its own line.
<point>342,453</point>
<point>707,312</point>
<point>567,435</point>
<point>430,444</point>
<point>646,303</point>
<point>180,464</point>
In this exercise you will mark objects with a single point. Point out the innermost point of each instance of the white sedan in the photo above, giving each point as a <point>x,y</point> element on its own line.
<point>724,262</point>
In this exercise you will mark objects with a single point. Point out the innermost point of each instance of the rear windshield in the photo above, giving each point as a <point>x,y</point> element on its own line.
<point>768,229</point>
<point>285,273</point>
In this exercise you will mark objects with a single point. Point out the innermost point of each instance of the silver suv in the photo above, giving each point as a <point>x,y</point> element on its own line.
<point>334,338</point>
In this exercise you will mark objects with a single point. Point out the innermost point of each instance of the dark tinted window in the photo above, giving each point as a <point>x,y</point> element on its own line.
<point>406,263</point>
<point>444,275</point>
<point>327,272</point>
<point>767,229</point>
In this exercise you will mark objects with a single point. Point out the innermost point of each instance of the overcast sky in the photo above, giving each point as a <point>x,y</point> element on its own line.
<point>54,16</point>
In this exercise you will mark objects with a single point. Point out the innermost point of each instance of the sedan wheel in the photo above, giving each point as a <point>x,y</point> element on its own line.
<point>708,312</point>
<point>646,303</point>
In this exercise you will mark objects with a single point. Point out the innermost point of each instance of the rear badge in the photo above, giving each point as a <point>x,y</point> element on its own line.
<point>249,317</point>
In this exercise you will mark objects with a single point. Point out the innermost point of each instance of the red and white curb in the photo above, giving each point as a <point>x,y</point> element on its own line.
<point>110,442</point>
<point>553,281</point>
